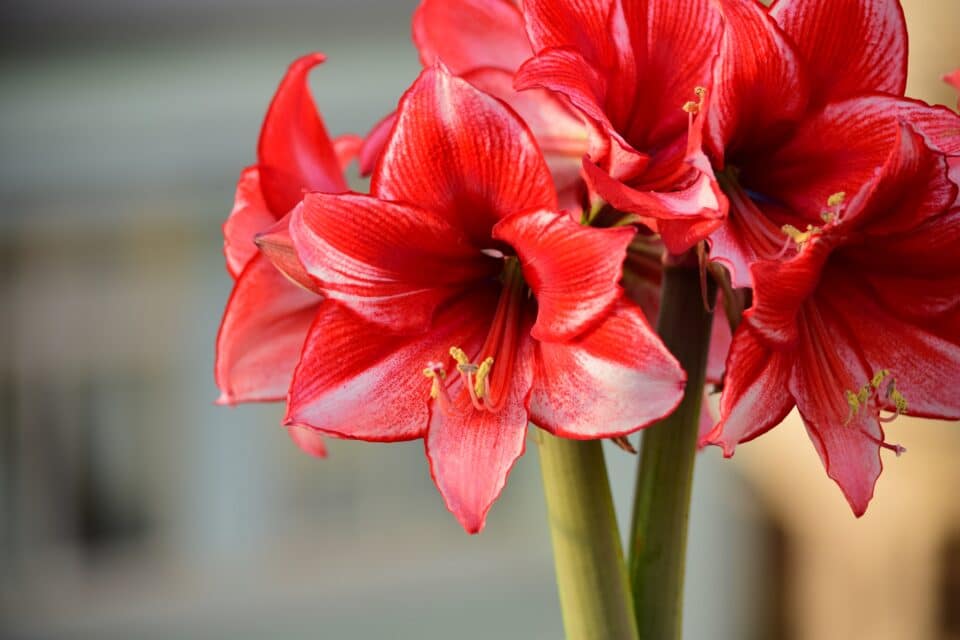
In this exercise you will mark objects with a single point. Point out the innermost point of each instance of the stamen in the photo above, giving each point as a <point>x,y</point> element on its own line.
<point>438,390</point>
<point>869,395</point>
<point>483,374</point>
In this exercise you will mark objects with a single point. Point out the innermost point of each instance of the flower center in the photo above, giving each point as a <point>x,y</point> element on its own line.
<point>485,385</point>
<point>755,226</point>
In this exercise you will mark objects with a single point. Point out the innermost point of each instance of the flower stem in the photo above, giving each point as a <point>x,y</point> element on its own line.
<point>591,575</point>
<point>658,538</point>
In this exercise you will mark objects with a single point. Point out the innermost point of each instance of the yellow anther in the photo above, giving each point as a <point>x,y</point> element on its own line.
<point>837,199</point>
<point>459,355</point>
<point>437,375</point>
<point>879,377</point>
<point>483,372</point>
<point>700,91</point>
<point>853,401</point>
<point>899,401</point>
<point>692,107</point>
<point>800,237</point>
<point>828,216</point>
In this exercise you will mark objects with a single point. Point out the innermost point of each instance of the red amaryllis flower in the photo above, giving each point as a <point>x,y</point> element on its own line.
<point>953,79</point>
<point>461,305</point>
<point>788,122</point>
<point>861,325</point>
<point>484,42</point>
<point>267,316</point>
<point>634,69</point>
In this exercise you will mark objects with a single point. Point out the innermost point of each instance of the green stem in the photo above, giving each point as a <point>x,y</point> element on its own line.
<point>658,539</point>
<point>591,575</point>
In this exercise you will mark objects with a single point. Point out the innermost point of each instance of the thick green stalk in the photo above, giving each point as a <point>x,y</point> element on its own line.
<point>591,575</point>
<point>658,541</point>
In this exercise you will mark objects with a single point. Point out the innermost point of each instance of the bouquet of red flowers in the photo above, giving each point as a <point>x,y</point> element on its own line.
<point>561,175</point>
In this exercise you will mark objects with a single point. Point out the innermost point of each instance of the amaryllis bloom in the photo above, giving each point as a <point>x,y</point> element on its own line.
<point>461,305</point>
<point>267,316</point>
<point>637,71</point>
<point>793,115</point>
<point>484,42</point>
<point>861,325</point>
<point>953,79</point>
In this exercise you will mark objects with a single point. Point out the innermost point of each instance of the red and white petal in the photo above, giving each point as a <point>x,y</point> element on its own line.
<point>759,88</point>
<point>674,45</point>
<point>471,452</point>
<point>581,24</point>
<point>850,46</point>
<point>390,263</point>
<point>310,441</point>
<point>249,217</point>
<point>827,364</point>
<point>356,380</point>
<point>261,335</point>
<point>924,361</point>
<point>463,154</point>
<point>755,396</point>
<point>611,381</point>
<point>469,34</point>
<point>295,153</point>
<point>562,135</point>
<point>573,270</point>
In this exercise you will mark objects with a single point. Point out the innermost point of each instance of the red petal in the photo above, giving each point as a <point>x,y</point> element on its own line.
<point>390,263</point>
<point>758,87</point>
<point>471,452</point>
<point>850,46</point>
<point>696,208</point>
<point>295,153</point>
<point>781,289</point>
<point>912,187</point>
<point>263,330</point>
<point>939,126</point>
<point>839,149</point>
<point>356,380</point>
<point>463,154</point>
<point>755,396</point>
<point>249,217</point>
<point>573,270</point>
<point>276,244</point>
<point>925,365</point>
<point>374,144</point>
<point>611,381</point>
<point>309,440</point>
<point>468,34</point>
<point>827,365</point>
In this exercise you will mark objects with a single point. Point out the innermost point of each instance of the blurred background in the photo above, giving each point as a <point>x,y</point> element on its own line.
<point>132,507</point>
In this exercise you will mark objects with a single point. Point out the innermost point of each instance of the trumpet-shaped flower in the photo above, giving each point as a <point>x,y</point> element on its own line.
<point>461,304</point>
<point>861,324</point>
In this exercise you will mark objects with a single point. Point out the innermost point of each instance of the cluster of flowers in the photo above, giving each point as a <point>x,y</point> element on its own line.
<point>502,267</point>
